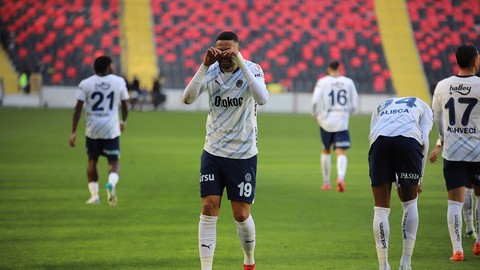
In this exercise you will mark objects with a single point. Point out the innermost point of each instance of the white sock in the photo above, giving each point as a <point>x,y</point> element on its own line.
<point>113,178</point>
<point>326,164</point>
<point>341,166</point>
<point>454,220</point>
<point>93,188</point>
<point>477,219</point>
<point>468,210</point>
<point>381,232</point>
<point>207,238</point>
<point>246,234</point>
<point>409,230</point>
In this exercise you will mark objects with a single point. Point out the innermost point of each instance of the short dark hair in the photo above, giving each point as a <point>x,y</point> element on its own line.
<point>334,65</point>
<point>101,64</point>
<point>466,55</point>
<point>227,35</point>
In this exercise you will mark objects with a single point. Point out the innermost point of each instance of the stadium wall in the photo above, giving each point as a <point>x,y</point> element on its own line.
<point>64,97</point>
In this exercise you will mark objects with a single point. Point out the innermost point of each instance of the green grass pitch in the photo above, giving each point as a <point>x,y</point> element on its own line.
<point>45,224</point>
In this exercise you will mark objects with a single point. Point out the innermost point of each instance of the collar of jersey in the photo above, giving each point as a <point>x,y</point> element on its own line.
<point>221,70</point>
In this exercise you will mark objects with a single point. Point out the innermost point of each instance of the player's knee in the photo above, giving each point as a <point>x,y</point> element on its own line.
<point>240,215</point>
<point>210,209</point>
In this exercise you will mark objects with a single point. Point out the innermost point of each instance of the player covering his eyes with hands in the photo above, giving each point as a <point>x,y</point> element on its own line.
<point>235,87</point>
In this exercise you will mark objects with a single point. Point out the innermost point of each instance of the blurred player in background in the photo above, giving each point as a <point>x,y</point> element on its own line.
<point>469,202</point>
<point>398,150</point>
<point>229,160</point>
<point>102,93</point>
<point>457,117</point>
<point>334,99</point>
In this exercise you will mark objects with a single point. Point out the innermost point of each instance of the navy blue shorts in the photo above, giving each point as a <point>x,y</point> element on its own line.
<point>339,139</point>
<point>390,157</point>
<point>110,148</point>
<point>237,175</point>
<point>461,173</point>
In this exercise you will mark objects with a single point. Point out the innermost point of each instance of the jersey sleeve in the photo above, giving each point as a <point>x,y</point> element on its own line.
<point>81,93</point>
<point>123,91</point>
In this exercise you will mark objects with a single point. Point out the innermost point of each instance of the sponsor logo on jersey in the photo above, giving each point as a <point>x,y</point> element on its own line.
<point>258,72</point>
<point>228,102</point>
<point>461,89</point>
<point>409,176</point>
<point>102,86</point>
<point>207,177</point>
<point>394,111</point>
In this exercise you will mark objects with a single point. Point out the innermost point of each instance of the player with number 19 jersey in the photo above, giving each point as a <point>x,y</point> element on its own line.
<point>232,120</point>
<point>457,115</point>
<point>335,98</point>
<point>104,94</point>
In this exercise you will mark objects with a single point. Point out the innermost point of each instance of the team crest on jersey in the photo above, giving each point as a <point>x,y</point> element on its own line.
<point>239,83</point>
<point>248,177</point>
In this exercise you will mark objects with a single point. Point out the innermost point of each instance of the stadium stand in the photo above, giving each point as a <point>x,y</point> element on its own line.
<point>59,38</point>
<point>292,40</point>
<point>439,27</point>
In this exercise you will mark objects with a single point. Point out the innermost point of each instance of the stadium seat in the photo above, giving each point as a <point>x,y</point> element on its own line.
<point>67,31</point>
<point>288,35</point>
<point>439,27</point>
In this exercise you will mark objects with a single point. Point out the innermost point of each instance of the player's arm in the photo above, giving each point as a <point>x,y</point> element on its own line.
<point>426,123</point>
<point>77,113</point>
<point>354,98</point>
<point>195,86</point>
<point>258,89</point>
<point>315,98</point>
<point>124,108</point>
<point>436,150</point>
<point>437,113</point>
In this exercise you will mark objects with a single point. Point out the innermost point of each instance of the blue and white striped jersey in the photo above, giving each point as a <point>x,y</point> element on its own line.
<point>457,116</point>
<point>101,96</point>
<point>231,127</point>
<point>404,116</point>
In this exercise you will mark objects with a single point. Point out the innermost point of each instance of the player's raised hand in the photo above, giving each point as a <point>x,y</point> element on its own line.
<point>211,56</point>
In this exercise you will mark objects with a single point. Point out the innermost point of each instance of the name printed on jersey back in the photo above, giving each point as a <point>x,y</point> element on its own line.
<point>394,111</point>
<point>459,130</point>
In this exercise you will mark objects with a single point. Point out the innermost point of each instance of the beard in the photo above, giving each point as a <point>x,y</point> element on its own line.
<point>226,64</point>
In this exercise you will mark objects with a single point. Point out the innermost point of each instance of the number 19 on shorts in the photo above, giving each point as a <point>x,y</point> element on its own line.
<point>245,189</point>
